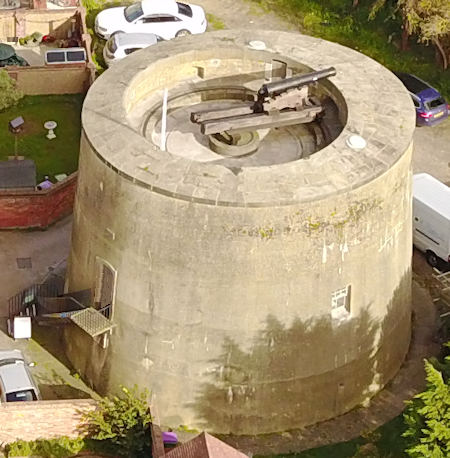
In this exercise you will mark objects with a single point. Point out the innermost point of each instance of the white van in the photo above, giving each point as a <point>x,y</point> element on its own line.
<point>431,223</point>
<point>120,45</point>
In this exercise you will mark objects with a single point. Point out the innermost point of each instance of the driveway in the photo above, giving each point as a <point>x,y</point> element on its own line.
<point>432,151</point>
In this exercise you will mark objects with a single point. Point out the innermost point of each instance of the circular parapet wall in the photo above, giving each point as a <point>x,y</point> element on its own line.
<point>255,293</point>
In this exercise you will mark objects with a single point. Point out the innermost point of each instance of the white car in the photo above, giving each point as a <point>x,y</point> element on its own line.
<point>164,18</point>
<point>120,45</point>
<point>16,382</point>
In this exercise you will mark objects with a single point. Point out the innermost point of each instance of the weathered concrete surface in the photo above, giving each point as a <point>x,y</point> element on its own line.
<point>223,298</point>
<point>384,406</point>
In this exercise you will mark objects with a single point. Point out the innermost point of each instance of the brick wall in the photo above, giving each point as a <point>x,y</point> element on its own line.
<point>41,419</point>
<point>39,209</point>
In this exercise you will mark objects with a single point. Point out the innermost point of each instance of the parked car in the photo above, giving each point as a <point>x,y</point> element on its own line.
<point>16,382</point>
<point>8,57</point>
<point>165,18</point>
<point>431,107</point>
<point>120,45</point>
<point>431,224</point>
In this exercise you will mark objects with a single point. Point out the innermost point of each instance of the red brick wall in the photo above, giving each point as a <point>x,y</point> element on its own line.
<point>39,209</point>
<point>41,419</point>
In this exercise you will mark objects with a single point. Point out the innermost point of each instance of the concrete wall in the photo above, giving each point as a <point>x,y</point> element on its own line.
<point>41,419</point>
<point>225,313</point>
<point>226,274</point>
<point>27,209</point>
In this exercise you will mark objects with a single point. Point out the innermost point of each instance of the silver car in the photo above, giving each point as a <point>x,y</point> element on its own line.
<point>16,382</point>
<point>120,45</point>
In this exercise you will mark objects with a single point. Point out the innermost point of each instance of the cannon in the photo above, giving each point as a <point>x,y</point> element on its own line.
<point>279,103</point>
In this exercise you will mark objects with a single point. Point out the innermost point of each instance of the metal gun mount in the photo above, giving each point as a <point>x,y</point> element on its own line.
<point>280,103</point>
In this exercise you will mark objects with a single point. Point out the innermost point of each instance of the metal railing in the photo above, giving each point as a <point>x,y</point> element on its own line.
<point>27,301</point>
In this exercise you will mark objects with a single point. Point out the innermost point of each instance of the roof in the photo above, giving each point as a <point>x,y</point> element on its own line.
<point>412,83</point>
<point>135,39</point>
<point>159,6</point>
<point>128,142</point>
<point>15,377</point>
<point>432,192</point>
<point>205,446</point>
<point>17,174</point>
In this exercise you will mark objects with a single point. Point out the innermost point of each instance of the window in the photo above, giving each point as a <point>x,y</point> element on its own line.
<point>159,18</point>
<point>131,50</point>
<point>435,103</point>
<point>340,303</point>
<point>184,9</point>
<point>133,12</point>
<point>111,46</point>
<point>65,56</point>
<point>105,288</point>
<point>25,395</point>
<point>416,102</point>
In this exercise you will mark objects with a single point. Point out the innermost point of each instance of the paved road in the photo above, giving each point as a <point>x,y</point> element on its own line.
<point>432,151</point>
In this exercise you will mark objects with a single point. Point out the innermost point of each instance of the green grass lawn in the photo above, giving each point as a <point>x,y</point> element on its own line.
<point>59,155</point>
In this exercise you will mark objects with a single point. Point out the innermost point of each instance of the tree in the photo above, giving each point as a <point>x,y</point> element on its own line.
<point>123,423</point>
<point>9,94</point>
<point>430,21</point>
<point>428,417</point>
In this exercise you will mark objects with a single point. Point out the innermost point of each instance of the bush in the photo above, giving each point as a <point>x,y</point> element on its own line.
<point>122,424</point>
<point>9,94</point>
<point>51,448</point>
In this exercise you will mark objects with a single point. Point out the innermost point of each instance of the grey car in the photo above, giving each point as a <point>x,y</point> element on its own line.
<point>16,382</point>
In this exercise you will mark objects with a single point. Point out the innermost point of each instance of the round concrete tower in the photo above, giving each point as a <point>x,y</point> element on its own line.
<point>256,289</point>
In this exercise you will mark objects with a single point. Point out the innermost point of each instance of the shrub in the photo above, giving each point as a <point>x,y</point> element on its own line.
<point>9,94</point>
<point>50,448</point>
<point>122,424</point>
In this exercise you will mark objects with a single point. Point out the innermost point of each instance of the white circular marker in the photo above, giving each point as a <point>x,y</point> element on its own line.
<point>257,45</point>
<point>356,142</point>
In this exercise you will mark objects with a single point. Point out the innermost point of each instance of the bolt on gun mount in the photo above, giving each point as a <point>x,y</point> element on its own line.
<point>280,103</point>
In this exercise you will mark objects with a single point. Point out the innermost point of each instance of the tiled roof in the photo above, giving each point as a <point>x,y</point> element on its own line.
<point>205,446</point>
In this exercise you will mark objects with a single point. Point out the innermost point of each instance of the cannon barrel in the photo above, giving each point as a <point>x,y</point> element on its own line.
<point>288,83</point>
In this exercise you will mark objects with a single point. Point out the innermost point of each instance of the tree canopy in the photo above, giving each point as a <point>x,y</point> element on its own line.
<point>428,416</point>
<point>429,20</point>
<point>9,94</point>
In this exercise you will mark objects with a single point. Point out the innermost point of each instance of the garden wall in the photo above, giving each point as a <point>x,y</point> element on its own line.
<point>37,209</point>
<point>23,21</point>
<point>41,419</point>
<point>75,79</point>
